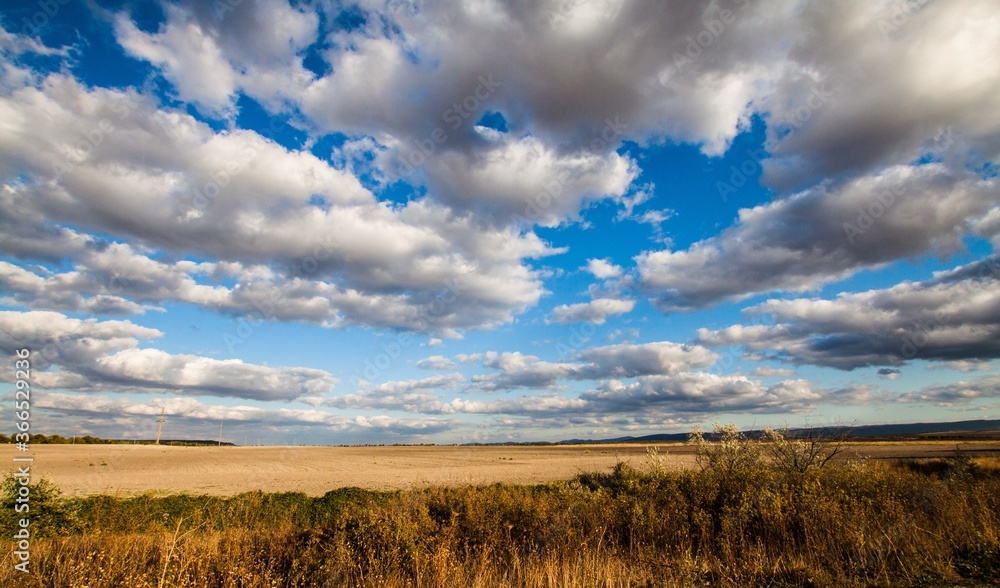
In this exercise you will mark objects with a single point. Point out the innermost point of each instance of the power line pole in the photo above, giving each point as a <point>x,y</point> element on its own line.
<point>159,427</point>
<point>220,433</point>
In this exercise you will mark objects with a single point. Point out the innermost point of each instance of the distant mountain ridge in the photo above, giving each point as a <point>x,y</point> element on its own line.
<point>957,428</point>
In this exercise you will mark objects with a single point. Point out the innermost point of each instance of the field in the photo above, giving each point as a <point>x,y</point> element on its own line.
<point>224,471</point>
<point>731,513</point>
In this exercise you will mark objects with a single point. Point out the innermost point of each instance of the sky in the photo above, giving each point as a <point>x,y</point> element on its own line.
<point>404,221</point>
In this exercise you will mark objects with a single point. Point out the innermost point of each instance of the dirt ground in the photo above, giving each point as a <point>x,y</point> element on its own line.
<point>133,469</point>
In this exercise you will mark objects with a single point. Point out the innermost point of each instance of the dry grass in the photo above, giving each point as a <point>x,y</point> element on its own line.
<point>224,471</point>
<point>849,524</point>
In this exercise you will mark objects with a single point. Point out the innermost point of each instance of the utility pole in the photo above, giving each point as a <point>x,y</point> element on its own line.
<point>220,433</point>
<point>244,438</point>
<point>159,427</point>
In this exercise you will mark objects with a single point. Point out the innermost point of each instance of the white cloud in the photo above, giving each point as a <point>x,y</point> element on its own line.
<point>188,418</point>
<point>166,180</point>
<point>210,54</point>
<point>436,362</point>
<point>820,235</point>
<point>603,269</point>
<point>628,360</point>
<point>190,59</point>
<point>962,365</point>
<point>517,370</point>
<point>892,92</point>
<point>95,356</point>
<point>952,317</point>
<point>525,179</point>
<point>414,396</point>
<point>889,373</point>
<point>704,392</point>
<point>958,393</point>
<point>596,311</point>
<point>770,372</point>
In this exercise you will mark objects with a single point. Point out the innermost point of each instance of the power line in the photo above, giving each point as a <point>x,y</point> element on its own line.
<point>159,427</point>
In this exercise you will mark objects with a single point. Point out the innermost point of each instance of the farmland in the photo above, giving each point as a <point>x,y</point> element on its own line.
<point>732,514</point>
<point>222,471</point>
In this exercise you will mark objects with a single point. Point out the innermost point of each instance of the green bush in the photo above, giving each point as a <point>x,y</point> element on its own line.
<point>48,511</point>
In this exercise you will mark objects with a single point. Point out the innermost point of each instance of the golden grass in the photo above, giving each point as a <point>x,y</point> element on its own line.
<point>848,524</point>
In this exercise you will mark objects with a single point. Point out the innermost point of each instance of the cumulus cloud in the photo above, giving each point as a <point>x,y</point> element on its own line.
<point>517,370</point>
<point>704,392</point>
<point>209,54</point>
<point>822,234</point>
<point>880,144</point>
<point>563,80</point>
<point>573,67</point>
<point>603,269</point>
<point>938,63</point>
<point>962,365</point>
<point>189,417</point>
<point>402,74</point>
<point>653,400</point>
<point>770,372</point>
<point>958,393</point>
<point>167,180</point>
<point>596,311</point>
<point>526,180</point>
<point>95,356</point>
<point>415,396</point>
<point>889,373</point>
<point>436,362</point>
<point>629,360</point>
<point>955,316</point>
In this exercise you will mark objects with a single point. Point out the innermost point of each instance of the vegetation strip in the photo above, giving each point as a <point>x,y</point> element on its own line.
<point>748,517</point>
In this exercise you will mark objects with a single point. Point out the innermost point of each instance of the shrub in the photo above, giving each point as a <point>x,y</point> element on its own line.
<point>731,453</point>
<point>48,512</point>
<point>737,522</point>
<point>798,453</point>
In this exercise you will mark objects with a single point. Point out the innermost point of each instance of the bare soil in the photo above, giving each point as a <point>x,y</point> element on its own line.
<point>134,469</point>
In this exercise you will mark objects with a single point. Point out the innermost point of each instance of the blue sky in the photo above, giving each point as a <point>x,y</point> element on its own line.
<point>401,221</point>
